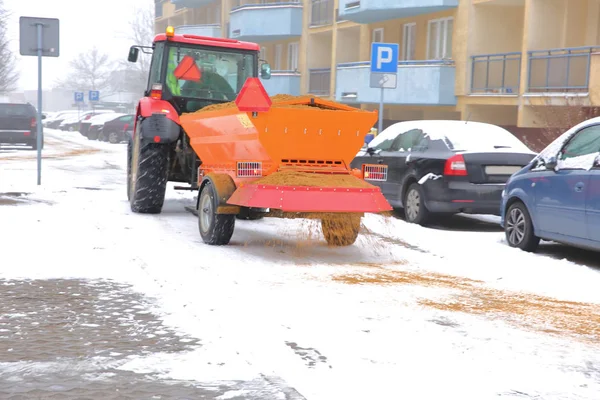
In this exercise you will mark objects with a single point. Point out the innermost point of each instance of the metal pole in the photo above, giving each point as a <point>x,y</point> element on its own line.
<point>39,108</point>
<point>380,126</point>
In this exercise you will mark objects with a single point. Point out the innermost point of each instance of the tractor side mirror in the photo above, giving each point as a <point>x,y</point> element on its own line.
<point>265,71</point>
<point>134,52</point>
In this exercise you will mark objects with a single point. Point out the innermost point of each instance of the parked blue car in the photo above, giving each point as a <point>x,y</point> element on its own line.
<point>556,197</point>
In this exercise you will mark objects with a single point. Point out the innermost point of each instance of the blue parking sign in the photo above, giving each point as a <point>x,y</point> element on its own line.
<point>94,95</point>
<point>384,58</point>
<point>78,97</point>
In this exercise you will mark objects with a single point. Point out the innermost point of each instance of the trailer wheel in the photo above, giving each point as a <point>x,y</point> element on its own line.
<point>248,214</point>
<point>149,176</point>
<point>215,229</point>
<point>341,230</point>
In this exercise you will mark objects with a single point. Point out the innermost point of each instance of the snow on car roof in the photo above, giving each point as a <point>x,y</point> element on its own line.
<point>473,135</point>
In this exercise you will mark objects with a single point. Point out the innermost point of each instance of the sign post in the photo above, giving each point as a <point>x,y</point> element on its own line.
<point>94,97</point>
<point>39,37</point>
<point>384,71</point>
<point>78,100</point>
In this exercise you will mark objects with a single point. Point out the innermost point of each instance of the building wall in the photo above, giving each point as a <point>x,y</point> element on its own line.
<point>480,27</point>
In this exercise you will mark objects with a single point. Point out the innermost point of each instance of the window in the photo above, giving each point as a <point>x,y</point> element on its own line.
<point>293,50</point>
<point>439,38</point>
<point>409,41</point>
<point>263,53</point>
<point>277,60</point>
<point>156,66</point>
<point>408,140</point>
<point>207,74</point>
<point>585,142</point>
<point>377,36</point>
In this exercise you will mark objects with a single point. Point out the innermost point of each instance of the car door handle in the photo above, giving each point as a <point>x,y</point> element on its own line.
<point>579,187</point>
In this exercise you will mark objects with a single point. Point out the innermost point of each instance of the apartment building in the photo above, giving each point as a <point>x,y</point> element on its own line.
<point>509,62</point>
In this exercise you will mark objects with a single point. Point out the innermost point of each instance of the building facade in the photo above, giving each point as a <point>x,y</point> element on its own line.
<point>515,63</point>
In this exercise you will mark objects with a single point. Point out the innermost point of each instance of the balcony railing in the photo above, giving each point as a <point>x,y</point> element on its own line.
<point>560,70</point>
<point>321,12</point>
<point>319,80</point>
<point>241,3</point>
<point>496,73</point>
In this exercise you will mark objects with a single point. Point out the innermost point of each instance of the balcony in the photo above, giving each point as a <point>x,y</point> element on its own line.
<point>192,3</point>
<point>266,22</point>
<point>210,30</point>
<point>423,83</point>
<point>283,82</point>
<point>496,74</point>
<point>371,11</point>
<point>560,70</point>
<point>319,80</point>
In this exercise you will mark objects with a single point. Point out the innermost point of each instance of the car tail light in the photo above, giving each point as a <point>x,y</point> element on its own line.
<point>33,123</point>
<point>455,166</point>
<point>156,92</point>
<point>249,169</point>
<point>125,127</point>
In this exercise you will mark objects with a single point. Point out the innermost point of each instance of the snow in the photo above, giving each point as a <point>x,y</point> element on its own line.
<point>427,177</point>
<point>464,135</point>
<point>278,304</point>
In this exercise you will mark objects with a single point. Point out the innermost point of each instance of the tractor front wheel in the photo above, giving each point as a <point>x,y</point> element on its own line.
<point>341,230</point>
<point>215,229</point>
<point>149,173</point>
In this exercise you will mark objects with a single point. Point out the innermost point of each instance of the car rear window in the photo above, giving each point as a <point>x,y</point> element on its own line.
<point>16,110</point>
<point>482,140</point>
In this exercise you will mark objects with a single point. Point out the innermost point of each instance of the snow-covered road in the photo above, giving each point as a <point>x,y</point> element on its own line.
<point>407,312</point>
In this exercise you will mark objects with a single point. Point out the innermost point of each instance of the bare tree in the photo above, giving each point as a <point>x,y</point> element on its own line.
<point>141,32</point>
<point>8,71</point>
<point>556,119</point>
<point>88,71</point>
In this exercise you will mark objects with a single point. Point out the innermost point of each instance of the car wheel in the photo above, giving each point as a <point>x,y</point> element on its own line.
<point>519,228</point>
<point>414,205</point>
<point>114,137</point>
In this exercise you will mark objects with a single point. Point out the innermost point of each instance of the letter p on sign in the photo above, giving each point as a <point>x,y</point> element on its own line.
<point>384,58</point>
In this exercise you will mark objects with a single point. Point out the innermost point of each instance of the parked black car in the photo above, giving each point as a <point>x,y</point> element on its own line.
<point>113,131</point>
<point>18,124</point>
<point>446,167</point>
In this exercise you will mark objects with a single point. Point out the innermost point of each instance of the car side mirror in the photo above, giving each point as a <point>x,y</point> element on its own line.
<point>43,116</point>
<point>370,151</point>
<point>265,71</point>
<point>551,163</point>
<point>134,52</point>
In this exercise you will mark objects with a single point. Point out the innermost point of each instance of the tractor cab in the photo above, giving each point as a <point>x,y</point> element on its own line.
<point>192,72</point>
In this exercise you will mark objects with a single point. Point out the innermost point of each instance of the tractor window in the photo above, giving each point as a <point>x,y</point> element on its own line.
<point>205,74</point>
<point>155,68</point>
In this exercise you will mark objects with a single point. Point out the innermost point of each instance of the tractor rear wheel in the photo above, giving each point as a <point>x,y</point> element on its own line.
<point>148,177</point>
<point>341,230</point>
<point>215,229</point>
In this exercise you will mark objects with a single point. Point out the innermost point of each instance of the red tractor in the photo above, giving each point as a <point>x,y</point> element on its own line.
<point>159,151</point>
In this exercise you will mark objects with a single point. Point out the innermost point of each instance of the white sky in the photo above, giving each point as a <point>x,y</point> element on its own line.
<point>83,24</point>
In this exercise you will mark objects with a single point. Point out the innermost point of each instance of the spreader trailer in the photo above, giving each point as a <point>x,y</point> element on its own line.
<point>207,121</point>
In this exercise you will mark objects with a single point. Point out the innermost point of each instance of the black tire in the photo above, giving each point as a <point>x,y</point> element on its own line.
<point>33,144</point>
<point>149,176</point>
<point>341,230</point>
<point>114,137</point>
<point>415,211</point>
<point>249,215</point>
<point>215,229</point>
<point>101,136</point>
<point>518,228</point>
<point>129,155</point>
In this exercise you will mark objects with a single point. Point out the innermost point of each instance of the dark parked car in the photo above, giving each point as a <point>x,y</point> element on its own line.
<point>557,196</point>
<point>113,131</point>
<point>18,124</point>
<point>445,167</point>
